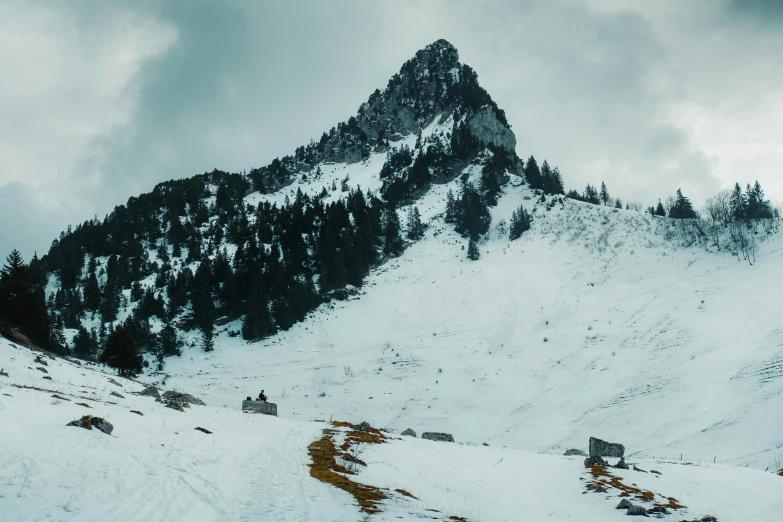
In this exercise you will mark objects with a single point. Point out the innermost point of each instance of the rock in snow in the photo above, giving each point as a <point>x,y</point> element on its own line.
<point>150,391</point>
<point>601,448</point>
<point>409,432</point>
<point>575,453</point>
<point>595,461</point>
<point>184,398</point>
<point>443,437</point>
<point>89,422</point>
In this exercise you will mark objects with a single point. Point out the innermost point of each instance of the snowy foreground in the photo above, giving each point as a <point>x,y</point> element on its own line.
<point>157,467</point>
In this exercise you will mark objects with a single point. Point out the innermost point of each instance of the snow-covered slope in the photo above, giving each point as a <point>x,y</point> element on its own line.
<point>158,467</point>
<point>595,322</point>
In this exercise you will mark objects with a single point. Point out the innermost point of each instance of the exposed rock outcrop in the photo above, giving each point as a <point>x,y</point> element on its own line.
<point>575,453</point>
<point>409,433</point>
<point>183,398</point>
<point>89,422</point>
<point>601,448</point>
<point>442,437</point>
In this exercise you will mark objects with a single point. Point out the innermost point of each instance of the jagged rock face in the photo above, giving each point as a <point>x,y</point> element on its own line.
<point>415,95</point>
<point>431,84</point>
<point>485,126</point>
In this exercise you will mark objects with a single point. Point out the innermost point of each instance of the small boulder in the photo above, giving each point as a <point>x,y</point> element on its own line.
<point>89,422</point>
<point>3,373</point>
<point>655,471</point>
<point>575,453</point>
<point>174,405</point>
<point>624,504</point>
<point>637,511</point>
<point>362,426</point>
<point>137,412</point>
<point>114,393</point>
<point>441,437</point>
<point>409,433</point>
<point>41,368</point>
<point>622,464</point>
<point>601,448</point>
<point>150,391</point>
<point>638,469</point>
<point>38,360</point>
<point>203,430</point>
<point>46,377</point>
<point>594,461</point>
<point>115,382</point>
<point>183,398</point>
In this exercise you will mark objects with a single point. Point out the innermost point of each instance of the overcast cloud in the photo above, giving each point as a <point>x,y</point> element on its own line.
<point>101,100</point>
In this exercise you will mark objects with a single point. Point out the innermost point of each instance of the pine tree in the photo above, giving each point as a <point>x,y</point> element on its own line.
<point>168,342</point>
<point>120,352</point>
<point>737,203</point>
<point>208,338</point>
<point>414,227</point>
<point>473,250</point>
<point>682,208</point>
<point>393,245</point>
<point>451,211</point>
<point>659,210</point>
<point>520,223</point>
<point>23,305</point>
<point>84,345</point>
<point>604,193</point>
<point>533,174</point>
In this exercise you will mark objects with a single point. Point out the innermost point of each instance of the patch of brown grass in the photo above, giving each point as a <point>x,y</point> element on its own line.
<point>672,504</point>
<point>325,468</point>
<point>603,480</point>
<point>373,436</point>
<point>405,493</point>
<point>342,424</point>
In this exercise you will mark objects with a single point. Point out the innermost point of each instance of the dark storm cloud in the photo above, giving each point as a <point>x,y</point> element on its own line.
<point>760,11</point>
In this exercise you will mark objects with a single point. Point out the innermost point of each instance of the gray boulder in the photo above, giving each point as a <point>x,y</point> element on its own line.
<point>150,391</point>
<point>362,426</point>
<point>622,464</point>
<point>442,437</point>
<point>174,405</point>
<point>267,408</point>
<point>601,448</point>
<point>409,433</point>
<point>183,398</point>
<point>624,504</point>
<point>595,461</point>
<point>115,394</point>
<point>637,511</point>
<point>575,453</point>
<point>89,422</point>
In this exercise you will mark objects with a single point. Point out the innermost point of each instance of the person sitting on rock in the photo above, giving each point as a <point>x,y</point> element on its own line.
<point>261,396</point>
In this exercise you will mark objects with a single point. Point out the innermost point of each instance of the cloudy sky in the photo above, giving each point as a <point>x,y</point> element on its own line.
<point>100,100</point>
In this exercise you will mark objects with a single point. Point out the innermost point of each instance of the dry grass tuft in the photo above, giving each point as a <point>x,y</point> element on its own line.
<point>325,468</point>
<point>342,424</point>
<point>405,493</point>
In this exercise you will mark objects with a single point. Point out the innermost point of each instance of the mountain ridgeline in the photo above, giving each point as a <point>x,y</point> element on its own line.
<point>202,253</point>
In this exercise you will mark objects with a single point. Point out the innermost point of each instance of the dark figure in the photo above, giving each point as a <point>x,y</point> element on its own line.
<point>261,396</point>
